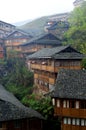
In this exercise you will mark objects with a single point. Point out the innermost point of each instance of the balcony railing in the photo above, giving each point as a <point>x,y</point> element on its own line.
<point>45,78</point>
<point>70,112</point>
<point>52,68</point>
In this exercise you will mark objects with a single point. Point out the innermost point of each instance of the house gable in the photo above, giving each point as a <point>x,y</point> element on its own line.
<point>18,34</point>
<point>49,36</point>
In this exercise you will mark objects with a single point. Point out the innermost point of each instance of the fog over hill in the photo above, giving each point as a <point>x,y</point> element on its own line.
<point>36,27</point>
<point>21,23</point>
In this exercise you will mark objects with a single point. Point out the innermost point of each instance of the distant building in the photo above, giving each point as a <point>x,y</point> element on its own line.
<point>57,24</point>
<point>13,40</point>
<point>46,40</point>
<point>59,17</point>
<point>69,99</point>
<point>77,3</point>
<point>15,116</point>
<point>2,49</point>
<point>47,62</point>
<point>5,29</point>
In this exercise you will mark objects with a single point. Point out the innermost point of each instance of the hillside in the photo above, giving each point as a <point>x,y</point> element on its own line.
<point>36,26</point>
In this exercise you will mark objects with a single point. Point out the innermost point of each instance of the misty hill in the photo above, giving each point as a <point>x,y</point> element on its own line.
<point>36,27</point>
<point>22,22</point>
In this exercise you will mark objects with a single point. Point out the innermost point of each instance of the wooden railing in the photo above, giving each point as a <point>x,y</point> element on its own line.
<point>70,112</point>
<point>73,127</point>
<point>45,78</point>
<point>42,67</point>
<point>52,68</point>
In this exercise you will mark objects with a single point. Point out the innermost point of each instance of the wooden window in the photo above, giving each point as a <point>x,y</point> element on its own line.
<point>77,104</point>
<point>58,103</point>
<point>65,120</point>
<point>82,104</point>
<point>67,104</point>
<point>57,63</point>
<point>72,104</point>
<point>82,122</point>
<point>73,121</point>
<point>69,121</point>
<point>85,122</point>
<point>77,121</point>
<point>17,123</point>
<point>0,124</point>
<point>64,104</point>
<point>53,101</point>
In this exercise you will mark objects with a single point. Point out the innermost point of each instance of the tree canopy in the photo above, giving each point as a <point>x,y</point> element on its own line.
<point>76,35</point>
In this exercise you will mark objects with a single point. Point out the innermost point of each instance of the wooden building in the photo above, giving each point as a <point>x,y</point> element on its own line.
<point>57,28</point>
<point>78,3</point>
<point>57,24</point>
<point>47,62</point>
<point>46,40</point>
<point>6,29</point>
<point>2,49</point>
<point>16,38</point>
<point>59,17</point>
<point>15,116</point>
<point>69,99</point>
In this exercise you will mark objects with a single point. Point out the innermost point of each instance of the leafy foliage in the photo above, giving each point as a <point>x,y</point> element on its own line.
<point>43,105</point>
<point>19,80</point>
<point>83,63</point>
<point>76,35</point>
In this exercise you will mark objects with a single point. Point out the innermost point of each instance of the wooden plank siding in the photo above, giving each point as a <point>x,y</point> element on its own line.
<point>70,112</point>
<point>50,80</point>
<point>52,68</point>
<point>69,127</point>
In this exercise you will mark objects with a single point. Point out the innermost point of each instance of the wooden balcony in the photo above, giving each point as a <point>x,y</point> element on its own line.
<point>73,127</point>
<point>42,67</point>
<point>67,67</point>
<point>45,78</point>
<point>35,66</point>
<point>52,68</point>
<point>70,112</point>
<point>52,81</point>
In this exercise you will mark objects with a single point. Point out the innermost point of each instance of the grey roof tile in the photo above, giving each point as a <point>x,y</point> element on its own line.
<point>71,84</point>
<point>11,108</point>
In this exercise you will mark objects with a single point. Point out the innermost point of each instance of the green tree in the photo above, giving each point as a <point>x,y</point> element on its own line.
<point>83,63</point>
<point>76,35</point>
<point>41,104</point>
<point>18,80</point>
<point>44,106</point>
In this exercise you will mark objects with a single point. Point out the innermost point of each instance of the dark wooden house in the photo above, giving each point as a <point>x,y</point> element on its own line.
<point>2,49</point>
<point>47,40</point>
<point>57,24</point>
<point>78,3</point>
<point>16,38</point>
<point>47,62</point>
<point>69,99</point>
<point>15,116</point>
<point>58,28</point>
<point>6,29</point>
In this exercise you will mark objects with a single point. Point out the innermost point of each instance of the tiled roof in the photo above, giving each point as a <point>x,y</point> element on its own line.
<point>24,34</point>
<point>56,53</point>
<point>44,39</point>
<point>11,108</point>
<point>7,23</point>
<point>71,84</point>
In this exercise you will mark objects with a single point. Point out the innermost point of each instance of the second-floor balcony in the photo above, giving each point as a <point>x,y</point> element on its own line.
<point>50,68</point>
<point>70,112</point>
<point>48,79</point>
